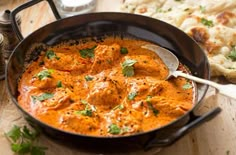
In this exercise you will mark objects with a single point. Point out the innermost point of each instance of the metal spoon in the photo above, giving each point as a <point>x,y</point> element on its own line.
<point>172,62</point>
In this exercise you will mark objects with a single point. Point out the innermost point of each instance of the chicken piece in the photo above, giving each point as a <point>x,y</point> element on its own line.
<point>104,95</point>
<point>145,86</point>
<point>149,66</point>
<point>79,123</point>
<point>105,57</point>
<point>59,100</point>
<point>170,107</point>
<point>43,84</point>
<point>49,78</point>
<point>130,120</point>
<point>71,61</point>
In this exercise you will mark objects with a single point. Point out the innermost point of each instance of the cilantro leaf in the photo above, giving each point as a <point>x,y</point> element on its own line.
<point>132,95</point>
<point>44,74</point>
<point>123,50</point>
<point>187,9</point>
<point>87,53</point>
<point>41,63</point>
<point>42,97</point>
<point>187,86</point>
<point>150,106</point>
<point>127,67</point>
<point>125,129</point>
<point>232,54</point>
<point>114,129</point>
<point>86,112</point>
<point>202,8</point>
<point>170,9</point>
<point>119,106</point>
<point>84,102</point>
<point>206,22</point>
<point>51,54</point>
<point>148,99</point>
<point>26,133</point>
<point>128,71</point>
<point>23,141</point>
<point>59,84</point>
<point>21,148</point>
<point>88,78</point>
<point>14,133</point>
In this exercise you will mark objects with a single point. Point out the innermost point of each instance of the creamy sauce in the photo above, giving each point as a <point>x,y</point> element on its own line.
<point>107,88</point>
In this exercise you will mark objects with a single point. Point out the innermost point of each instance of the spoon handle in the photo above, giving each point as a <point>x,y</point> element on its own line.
<point>227,90</point>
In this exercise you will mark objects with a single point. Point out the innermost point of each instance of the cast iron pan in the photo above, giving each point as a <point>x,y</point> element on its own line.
<point>97,25</point>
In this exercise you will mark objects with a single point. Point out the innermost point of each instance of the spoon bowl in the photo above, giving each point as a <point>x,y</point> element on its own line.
<point>169,59</point>
<point>172,63</point>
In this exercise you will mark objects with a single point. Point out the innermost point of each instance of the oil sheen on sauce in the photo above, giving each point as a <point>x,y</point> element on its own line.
<point>108,88</point>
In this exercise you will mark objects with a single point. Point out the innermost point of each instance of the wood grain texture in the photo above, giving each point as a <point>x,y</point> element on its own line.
<point>216,137</point>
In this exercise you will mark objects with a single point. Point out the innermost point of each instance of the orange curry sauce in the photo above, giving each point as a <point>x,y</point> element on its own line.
<point>107,88</point>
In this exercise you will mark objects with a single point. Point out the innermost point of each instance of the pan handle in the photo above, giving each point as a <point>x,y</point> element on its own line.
<point>193,122</point>
<point>13,14</point>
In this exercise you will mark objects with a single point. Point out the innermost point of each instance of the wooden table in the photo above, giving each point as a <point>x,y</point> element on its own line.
<point>216,137</point>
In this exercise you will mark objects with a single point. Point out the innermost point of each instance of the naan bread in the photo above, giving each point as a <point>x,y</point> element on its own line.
<point>211,23</point>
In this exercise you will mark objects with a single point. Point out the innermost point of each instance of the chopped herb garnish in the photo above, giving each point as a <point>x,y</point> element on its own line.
<point>119,106</point>
<point>114,129</point>
<point>159,10</point>
<point>187,86</point>
<point>206,22</point>
<point>88,78</point>
<point>23,141</point>
<point>44,74</point>
<point>41,63</point>
<point>132,95</point>
<point>232,54</point>
<point>51,54</point>
<point>125,129</point>
<point>87,111</point>
<point>127,67</point>
<point>84,102</point>
<point>109,61</point>
<point>202,8</point>
<point>154,110</point>
<point>150,106</point>
<point>187,9</point>
<point>14,133</point>
<point>177,0</point>
<point>21,148</point>
<point>87,53</point>
<point>163,11</point>
<point>59,84</point>
<point>148,99</point>
<point>123,50</point>
<point>42,97</point>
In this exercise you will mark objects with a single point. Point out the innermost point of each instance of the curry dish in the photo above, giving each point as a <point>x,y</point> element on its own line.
<point>111,87</point>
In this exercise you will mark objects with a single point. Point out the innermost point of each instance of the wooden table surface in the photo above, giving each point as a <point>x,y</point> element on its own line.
<point>216,137</point>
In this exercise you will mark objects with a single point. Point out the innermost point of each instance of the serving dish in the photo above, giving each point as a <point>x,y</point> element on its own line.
<point>97,24</point>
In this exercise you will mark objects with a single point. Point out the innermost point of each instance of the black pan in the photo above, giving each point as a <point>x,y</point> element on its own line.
<point>97,25</point>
